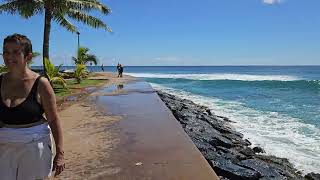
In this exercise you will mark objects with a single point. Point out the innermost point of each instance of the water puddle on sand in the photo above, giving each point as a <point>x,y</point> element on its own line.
<point>122,89</point>
<point>72,98</point>
<point>90,89</point>
<point>118,98</point>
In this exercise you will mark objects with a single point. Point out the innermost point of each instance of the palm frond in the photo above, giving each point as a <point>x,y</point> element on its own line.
<point>53,72</point>
<point>83,57</point>
<point>91,58</point>
<point>87,19</point>
<point>24,8</point>
<point>59,67</point>
<point>35,54</point>
<point>83,50</point>
<point>88,5</point>
<point>59,18</point>
<point>10,7</point>
<point>59,81</point>
<point>75,60</point>
<point>79,72</point>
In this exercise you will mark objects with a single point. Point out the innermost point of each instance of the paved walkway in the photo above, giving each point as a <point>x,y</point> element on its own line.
<point>152,143</point>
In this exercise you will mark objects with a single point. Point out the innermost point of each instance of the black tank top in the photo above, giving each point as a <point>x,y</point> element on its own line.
<point>29,111</point>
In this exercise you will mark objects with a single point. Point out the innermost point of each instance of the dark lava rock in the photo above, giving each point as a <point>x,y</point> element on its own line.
<point>312,176</point>
<point>232,171</point>
<point>226,151</point>
<point>262,167</point>
<point>258,150</point>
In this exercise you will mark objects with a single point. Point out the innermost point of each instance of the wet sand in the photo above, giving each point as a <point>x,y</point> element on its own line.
<point>87,142</point>
<point>88,139</point>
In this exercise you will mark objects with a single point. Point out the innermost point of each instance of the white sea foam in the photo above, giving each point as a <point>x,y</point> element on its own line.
<point>217,76</point>
<point>278,134</point>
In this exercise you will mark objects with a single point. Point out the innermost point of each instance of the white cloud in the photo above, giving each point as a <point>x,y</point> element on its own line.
<point>271,1</point>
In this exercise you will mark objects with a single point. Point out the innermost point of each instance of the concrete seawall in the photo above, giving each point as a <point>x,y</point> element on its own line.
<point>152,144</point>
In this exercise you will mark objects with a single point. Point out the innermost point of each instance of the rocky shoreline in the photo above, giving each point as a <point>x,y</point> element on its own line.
<point>227,152</point>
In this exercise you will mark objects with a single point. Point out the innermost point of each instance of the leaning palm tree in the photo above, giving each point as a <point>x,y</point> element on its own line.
<point>83,57</point>
<point>59,11</point>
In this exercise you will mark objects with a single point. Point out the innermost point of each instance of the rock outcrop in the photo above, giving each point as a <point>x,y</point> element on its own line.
<point>227,152</point>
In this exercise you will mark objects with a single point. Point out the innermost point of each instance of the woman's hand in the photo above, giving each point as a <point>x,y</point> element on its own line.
<point>58,164</point>
<point>48,102</point>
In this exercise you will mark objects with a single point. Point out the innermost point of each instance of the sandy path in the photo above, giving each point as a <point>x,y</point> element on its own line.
<point>88,138</point>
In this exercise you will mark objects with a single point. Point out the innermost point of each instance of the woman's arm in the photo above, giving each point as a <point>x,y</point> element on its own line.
<point>48,101</point>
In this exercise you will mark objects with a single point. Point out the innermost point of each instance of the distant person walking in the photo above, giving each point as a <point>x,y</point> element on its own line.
<point>120,70</point>
<point>102,68</point>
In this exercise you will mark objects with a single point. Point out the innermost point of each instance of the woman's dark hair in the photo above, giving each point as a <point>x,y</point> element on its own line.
<point>22,40</point>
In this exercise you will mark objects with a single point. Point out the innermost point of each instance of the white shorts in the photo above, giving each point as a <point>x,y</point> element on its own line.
<point>26,161</point>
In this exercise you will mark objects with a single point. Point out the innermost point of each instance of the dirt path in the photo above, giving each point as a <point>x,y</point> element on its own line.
<point>87,136</point>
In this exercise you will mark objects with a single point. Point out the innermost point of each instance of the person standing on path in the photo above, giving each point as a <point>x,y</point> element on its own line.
<point>102,68</point>
<point>120,70</point>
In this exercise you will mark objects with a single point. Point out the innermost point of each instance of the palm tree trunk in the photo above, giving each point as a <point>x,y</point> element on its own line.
<point>46,38</point>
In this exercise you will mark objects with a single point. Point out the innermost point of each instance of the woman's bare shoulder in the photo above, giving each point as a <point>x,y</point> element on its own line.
<point>44,86</point>
<point>43,80</point>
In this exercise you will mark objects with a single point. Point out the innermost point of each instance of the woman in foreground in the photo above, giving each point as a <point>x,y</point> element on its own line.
<point>25,141</point>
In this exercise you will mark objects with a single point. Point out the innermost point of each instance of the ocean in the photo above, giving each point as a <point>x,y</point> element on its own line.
<point>275,107</point>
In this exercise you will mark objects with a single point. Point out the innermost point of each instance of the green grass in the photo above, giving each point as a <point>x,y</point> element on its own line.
<point>60,92</point>
<point>73,86</point>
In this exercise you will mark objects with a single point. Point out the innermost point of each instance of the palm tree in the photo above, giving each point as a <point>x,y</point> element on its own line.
<point>83,57</point>
<point>54,74</point>
<point>58,11</point>
<point>80,72</point>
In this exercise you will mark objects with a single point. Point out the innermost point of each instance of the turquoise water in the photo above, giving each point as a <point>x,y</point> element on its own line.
<point>293,91</point>
<point>275,107</point>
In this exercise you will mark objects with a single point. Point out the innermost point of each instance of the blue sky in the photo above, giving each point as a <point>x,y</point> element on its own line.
<point>185,32</point>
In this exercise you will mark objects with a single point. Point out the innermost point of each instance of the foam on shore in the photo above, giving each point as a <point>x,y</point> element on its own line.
<point>278,134</point>
<point>218,76</point>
